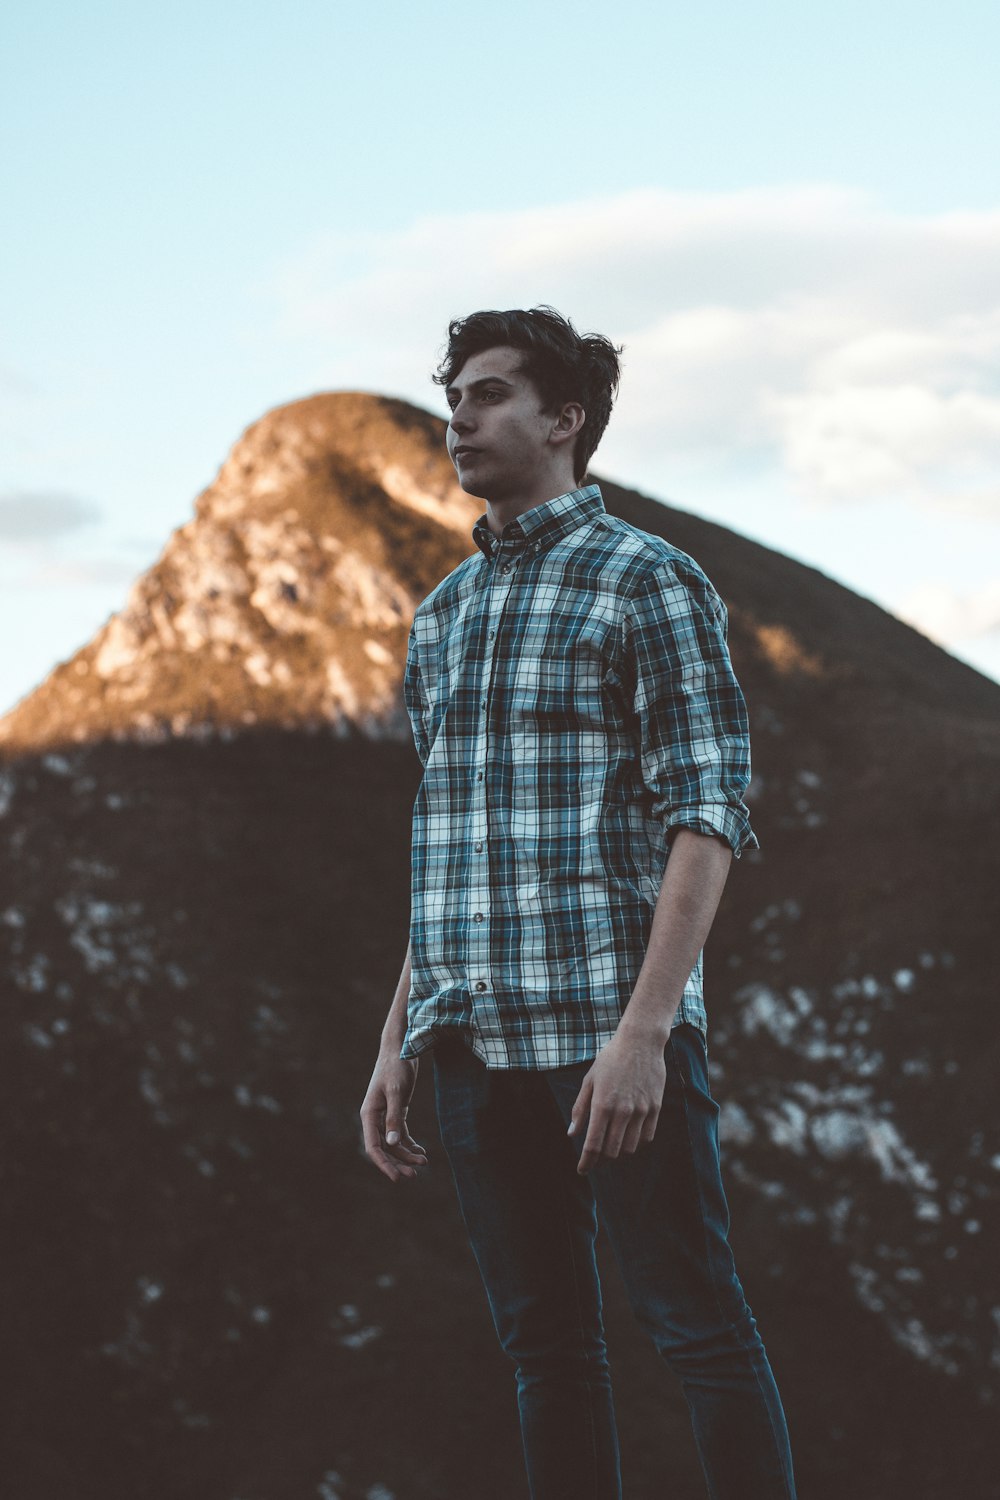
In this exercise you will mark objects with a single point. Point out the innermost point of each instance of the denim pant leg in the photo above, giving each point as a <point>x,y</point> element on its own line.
<point>532,1223</point>
<point>665,1213</point>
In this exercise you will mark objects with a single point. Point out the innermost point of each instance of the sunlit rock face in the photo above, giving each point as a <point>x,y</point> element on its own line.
<point>203,912</point>
<point>286,600</point>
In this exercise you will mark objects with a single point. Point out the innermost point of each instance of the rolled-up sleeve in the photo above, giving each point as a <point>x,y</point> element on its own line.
<point>413,697</point>
<point>692,718</point>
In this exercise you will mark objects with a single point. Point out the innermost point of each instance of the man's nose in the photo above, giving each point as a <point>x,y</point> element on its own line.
<point>461,419</point>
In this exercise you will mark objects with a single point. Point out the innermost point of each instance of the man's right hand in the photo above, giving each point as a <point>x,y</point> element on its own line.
<point>388,1143</point>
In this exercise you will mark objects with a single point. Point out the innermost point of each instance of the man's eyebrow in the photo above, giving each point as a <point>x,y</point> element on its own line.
<point>475,385</point>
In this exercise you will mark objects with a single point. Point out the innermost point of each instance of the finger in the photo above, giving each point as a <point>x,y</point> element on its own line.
<point>409,1144</point>
<point>392,1169</point>
<point>404,1144</point>
<point>581,1108</point>
<point>375,1147</point>
<point>618,1126</point>
<point>595,1139</point>
<point>649,1128</point>
<point>407,1153</point>
<point>632,1139</point>
<point>371,1128</point>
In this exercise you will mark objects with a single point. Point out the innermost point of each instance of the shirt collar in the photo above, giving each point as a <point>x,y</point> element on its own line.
<point>544,524</point>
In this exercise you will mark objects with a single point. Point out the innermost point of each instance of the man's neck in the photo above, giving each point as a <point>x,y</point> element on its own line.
<point>499,512</point>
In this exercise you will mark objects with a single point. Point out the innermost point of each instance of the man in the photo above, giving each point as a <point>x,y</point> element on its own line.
<point>585,750</point>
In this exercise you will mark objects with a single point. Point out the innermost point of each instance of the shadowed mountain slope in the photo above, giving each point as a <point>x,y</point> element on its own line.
<point>204,823</point>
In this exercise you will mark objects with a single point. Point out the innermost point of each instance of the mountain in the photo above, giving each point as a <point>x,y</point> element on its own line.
<point>204,822</point>
<point>287,599</point>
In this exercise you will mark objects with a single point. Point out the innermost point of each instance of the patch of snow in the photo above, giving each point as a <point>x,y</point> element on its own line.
<point>6,792</point>
<point>118,649</point>
<point>258,666</point>
<point>378,653</point>
<point>148,1087</point>
<point>762,1009</point>
<point>735,1125</point>
<point>341,693</point>
<point>838,1134</point>
<point>787,1127</point>
<point>248,1099</point>
<point>360,1337</point>
<point>33,976</point>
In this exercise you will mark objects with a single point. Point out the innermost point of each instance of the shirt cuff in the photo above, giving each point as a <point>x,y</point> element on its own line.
<point>721,818</point>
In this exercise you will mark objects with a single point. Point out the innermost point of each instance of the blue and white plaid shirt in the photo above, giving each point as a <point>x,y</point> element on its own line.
<point>572,702</point>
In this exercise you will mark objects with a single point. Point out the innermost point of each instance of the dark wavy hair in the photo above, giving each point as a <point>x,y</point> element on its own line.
<point>562,364</point>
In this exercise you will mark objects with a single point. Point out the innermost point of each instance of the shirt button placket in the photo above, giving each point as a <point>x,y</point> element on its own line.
<point>479,889</point>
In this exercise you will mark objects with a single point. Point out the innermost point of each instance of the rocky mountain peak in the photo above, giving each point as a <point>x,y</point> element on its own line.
<point>286,600</point>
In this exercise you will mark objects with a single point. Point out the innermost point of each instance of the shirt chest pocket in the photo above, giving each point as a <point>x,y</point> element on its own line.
<point>447,667</point>
<point>562,692</point>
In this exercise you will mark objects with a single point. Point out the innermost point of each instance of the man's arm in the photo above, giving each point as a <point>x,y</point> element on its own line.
<point>388,1143</point>
<point>623,1090</point>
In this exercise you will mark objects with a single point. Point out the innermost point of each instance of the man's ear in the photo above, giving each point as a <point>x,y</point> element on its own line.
<point>568,423</point>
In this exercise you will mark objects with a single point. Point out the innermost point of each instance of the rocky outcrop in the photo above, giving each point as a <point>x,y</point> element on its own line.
<point>286,600</point>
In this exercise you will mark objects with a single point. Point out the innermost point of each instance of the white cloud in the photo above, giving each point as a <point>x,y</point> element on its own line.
<point>853,353</point>
<point>951,617</point>
<point>27,516</point>
<point>76,573</point>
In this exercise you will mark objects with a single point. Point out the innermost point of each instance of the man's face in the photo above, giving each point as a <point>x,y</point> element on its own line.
<point>498,436</point>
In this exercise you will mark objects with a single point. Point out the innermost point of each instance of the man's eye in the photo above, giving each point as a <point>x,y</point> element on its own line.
<point>490,395</point>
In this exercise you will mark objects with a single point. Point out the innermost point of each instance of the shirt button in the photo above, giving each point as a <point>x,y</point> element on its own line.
<point>479,848</point>
<point>505,568</point>
<point>478,917</point>
<point>479,775</point>
<point>492,634</point>
<point>480,985</point>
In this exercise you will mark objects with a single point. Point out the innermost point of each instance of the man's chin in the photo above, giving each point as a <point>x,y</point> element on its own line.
<point>473,486</point>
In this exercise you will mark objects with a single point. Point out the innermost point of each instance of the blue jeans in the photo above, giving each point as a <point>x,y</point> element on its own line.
<point>532,1222</point>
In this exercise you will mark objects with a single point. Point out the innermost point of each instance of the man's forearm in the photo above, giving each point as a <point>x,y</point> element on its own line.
<point>693,883</point>
<point>394,1029</point>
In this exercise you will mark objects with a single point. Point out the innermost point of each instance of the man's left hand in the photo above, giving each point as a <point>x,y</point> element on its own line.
<point>622,1094</point>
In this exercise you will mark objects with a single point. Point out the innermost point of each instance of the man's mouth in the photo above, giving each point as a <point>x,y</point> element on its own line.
<point>463,451</point>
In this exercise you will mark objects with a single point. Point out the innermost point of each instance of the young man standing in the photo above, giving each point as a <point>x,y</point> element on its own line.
<point>585,751</point>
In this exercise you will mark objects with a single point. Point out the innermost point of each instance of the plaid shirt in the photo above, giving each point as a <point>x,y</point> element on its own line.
<point>572,702</point>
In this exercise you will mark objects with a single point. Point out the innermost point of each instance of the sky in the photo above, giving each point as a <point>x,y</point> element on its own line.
<point>788,214</point>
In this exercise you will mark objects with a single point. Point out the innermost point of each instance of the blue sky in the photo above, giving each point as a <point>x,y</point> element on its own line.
<point>790,214</point>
